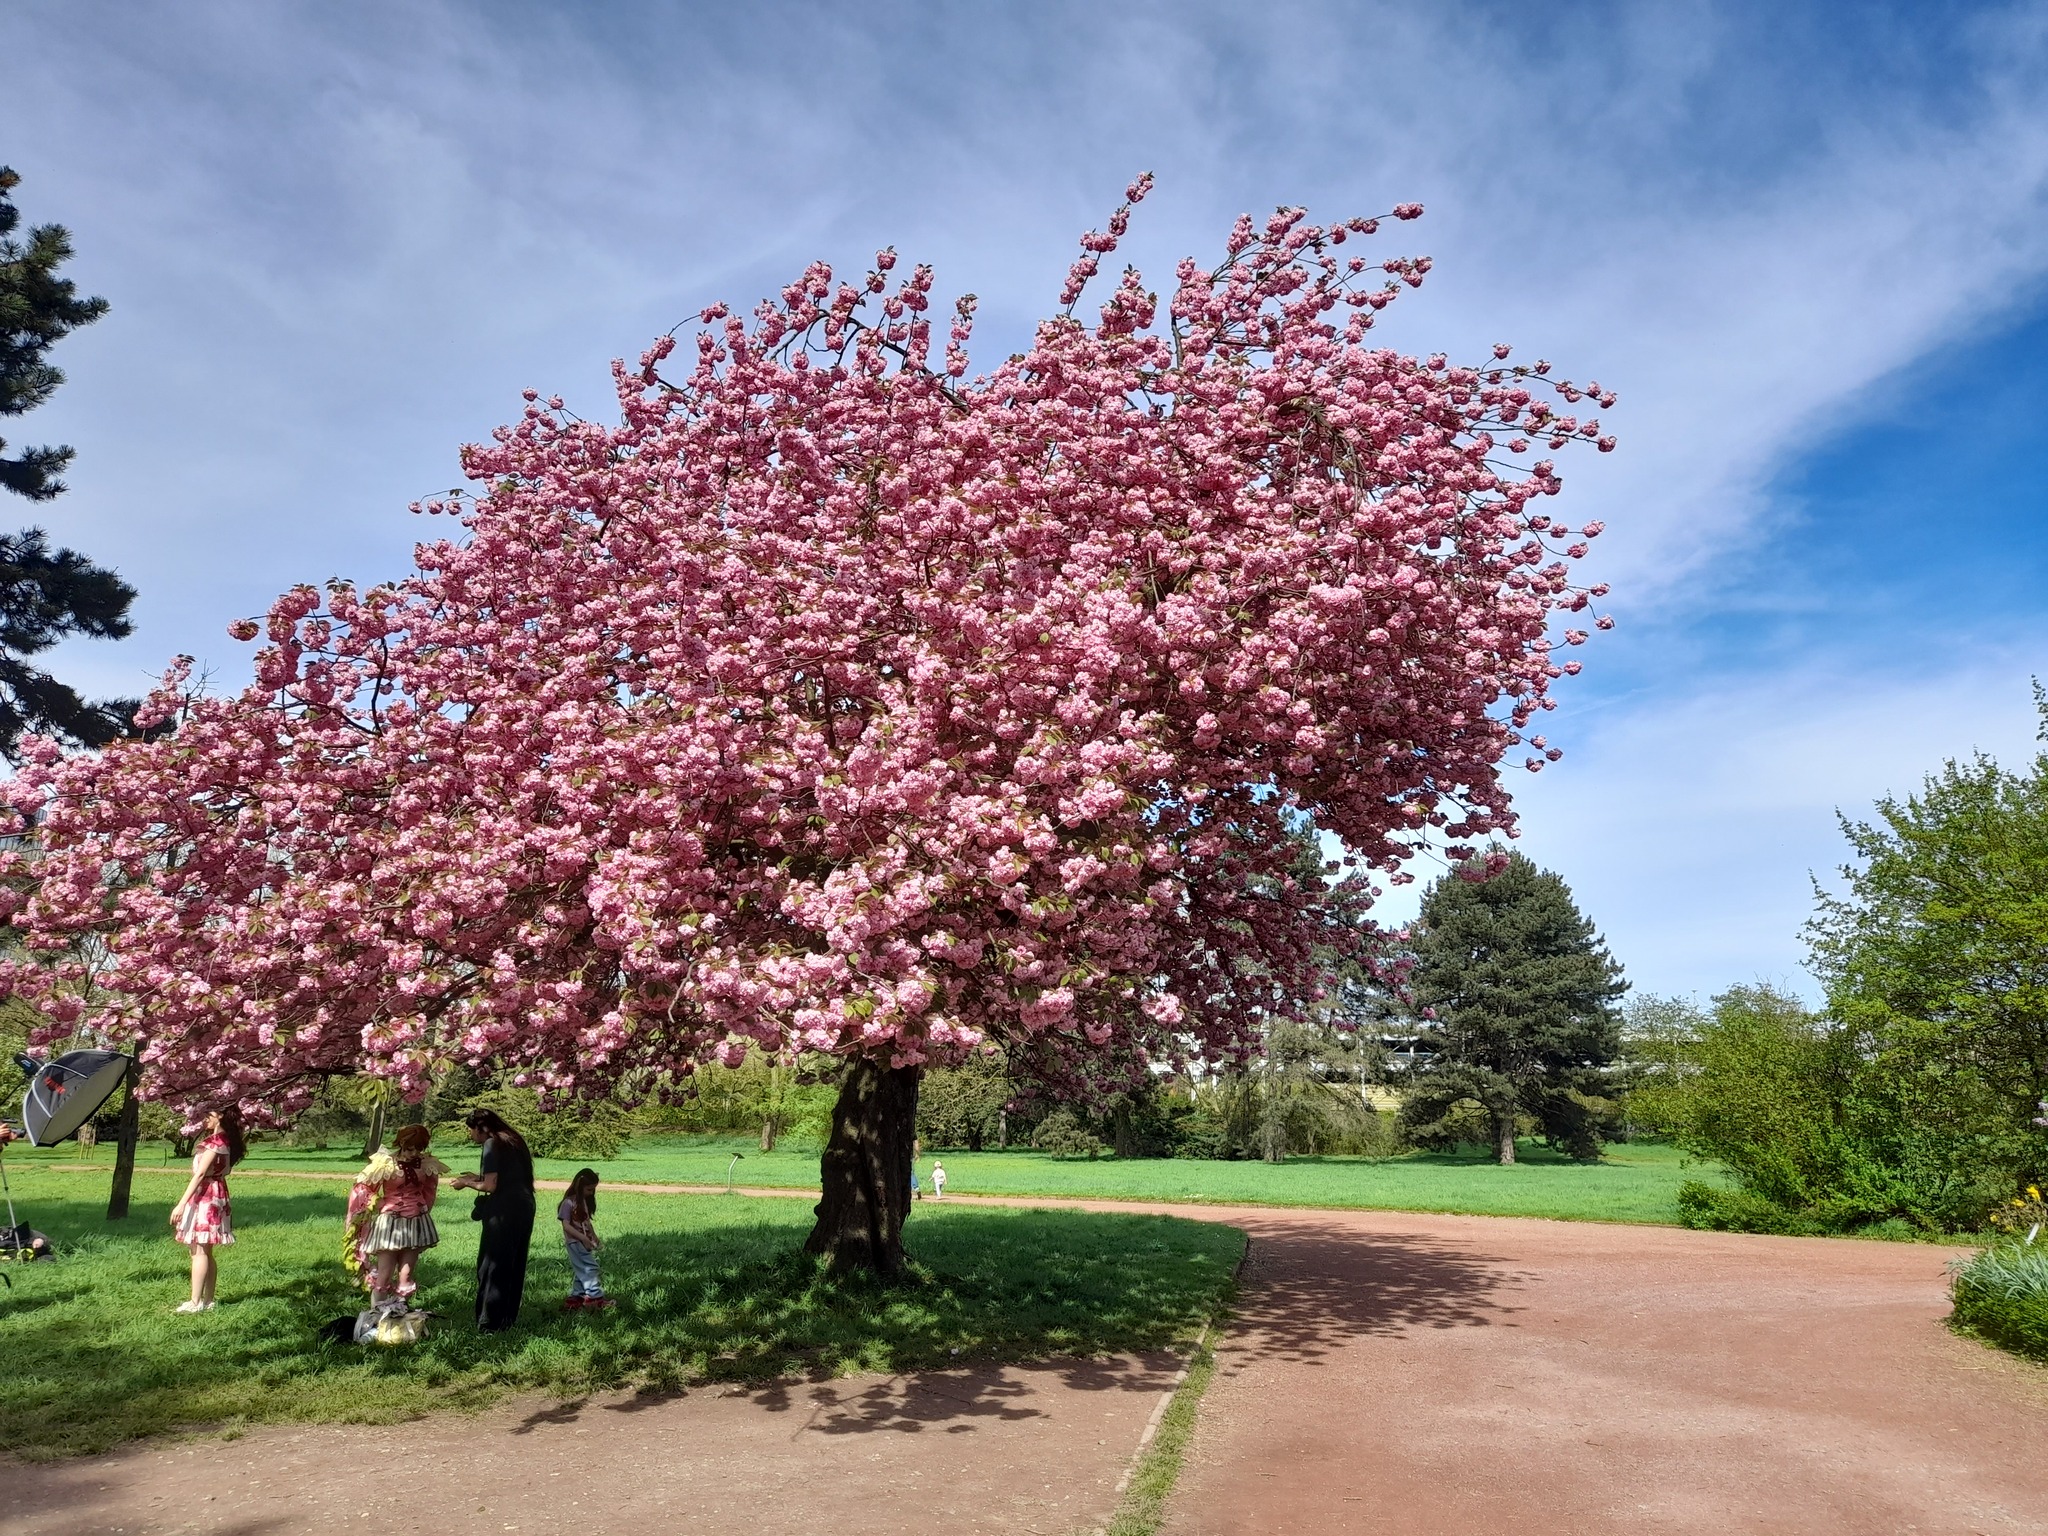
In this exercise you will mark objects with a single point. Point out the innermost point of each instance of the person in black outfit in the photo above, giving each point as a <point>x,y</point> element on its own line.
<point>504,1176</point>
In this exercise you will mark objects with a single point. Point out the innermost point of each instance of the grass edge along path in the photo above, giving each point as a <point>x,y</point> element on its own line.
<point>1155,1466</point>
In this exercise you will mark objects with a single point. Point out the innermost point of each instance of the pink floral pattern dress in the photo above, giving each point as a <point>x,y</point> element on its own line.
<point>206,1217</point>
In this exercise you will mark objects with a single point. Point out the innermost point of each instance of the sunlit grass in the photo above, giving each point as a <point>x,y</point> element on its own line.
<point>710,1287</point>
<point>1634,1182</point>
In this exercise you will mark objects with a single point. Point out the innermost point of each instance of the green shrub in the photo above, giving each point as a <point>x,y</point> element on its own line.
<point>1817,1118</point>
<point>1739,1210</point>
<point>1063,1135</point>
<point>595,1130</point>
<point>1376,1137</point>
<point>2002,1296</point>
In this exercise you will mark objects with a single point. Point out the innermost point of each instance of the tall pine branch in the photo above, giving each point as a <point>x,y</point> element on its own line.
<point>46,595</point>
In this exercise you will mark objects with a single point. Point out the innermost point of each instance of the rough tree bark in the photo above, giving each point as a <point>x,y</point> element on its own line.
<point>866,1170</point>
<point>127,1133</point>
<point>1504,1137</point>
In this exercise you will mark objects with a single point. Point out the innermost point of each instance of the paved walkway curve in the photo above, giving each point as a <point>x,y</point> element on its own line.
<point>1387,1372</point>
<point>1409,1375</point>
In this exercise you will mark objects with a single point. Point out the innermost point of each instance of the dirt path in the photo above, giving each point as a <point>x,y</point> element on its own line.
<point>1409,1375</point>
<point>1017,1449</point>
<point>1392,1373</point>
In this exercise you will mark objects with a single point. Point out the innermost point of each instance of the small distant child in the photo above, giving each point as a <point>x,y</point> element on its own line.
<point>938,1180</point>
<point>580,1237</point>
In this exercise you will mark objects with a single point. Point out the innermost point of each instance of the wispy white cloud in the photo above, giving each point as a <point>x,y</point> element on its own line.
<point>339,241</point>
<point>1692,823</point>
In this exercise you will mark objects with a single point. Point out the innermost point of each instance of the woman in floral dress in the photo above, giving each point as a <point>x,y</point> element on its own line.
<point>200,1218</point>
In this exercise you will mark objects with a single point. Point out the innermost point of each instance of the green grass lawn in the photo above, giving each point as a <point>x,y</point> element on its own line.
<point>1636,1182</point>
<point>710,1287</point>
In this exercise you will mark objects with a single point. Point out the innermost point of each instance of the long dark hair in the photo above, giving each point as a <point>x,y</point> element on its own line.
<point>494,1125</point>
<point>231,1132</point>
<point>583,1193</point>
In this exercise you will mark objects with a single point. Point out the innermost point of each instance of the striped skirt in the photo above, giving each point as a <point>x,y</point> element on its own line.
<point>391,1233</point>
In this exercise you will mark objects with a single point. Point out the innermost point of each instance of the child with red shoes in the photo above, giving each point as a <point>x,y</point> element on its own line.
<point>578,1206</point>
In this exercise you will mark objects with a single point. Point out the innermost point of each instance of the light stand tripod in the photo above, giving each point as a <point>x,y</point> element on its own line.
<point>13,1226</point>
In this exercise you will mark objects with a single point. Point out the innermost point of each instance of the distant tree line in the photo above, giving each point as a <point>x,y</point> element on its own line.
<point>1913,1100</point>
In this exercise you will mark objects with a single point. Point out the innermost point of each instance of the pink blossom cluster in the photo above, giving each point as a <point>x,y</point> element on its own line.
<point>835,701</point>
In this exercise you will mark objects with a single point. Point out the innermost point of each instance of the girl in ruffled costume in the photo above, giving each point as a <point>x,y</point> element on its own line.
<point>391,1218</point>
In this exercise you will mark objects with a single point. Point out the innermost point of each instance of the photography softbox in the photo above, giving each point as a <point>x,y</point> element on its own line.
<point>65,1093</point>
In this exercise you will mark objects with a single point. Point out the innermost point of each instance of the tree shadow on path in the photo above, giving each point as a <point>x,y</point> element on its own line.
<point>954,1400</point>
<point>1308,1290</point>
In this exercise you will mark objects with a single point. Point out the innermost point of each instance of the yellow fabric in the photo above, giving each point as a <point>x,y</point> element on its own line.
<point>382,1167</point>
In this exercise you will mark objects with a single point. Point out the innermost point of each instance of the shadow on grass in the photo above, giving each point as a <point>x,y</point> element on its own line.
<point>709,1291</point>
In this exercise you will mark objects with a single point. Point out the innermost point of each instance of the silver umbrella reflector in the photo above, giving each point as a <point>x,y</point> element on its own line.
<point>65,1093</point>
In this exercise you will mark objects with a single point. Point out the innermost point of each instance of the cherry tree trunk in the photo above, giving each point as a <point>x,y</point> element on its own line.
<point>375,1139</point>
<point>128,1133</point>
<point>866,1169</point>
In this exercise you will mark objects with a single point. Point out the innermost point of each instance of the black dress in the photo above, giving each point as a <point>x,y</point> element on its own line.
<point>507,1234</point>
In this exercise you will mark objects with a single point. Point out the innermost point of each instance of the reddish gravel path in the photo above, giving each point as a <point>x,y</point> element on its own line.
<point>1388,1373</point>
<point>1035,1449</point>
<point>1409,1375</point>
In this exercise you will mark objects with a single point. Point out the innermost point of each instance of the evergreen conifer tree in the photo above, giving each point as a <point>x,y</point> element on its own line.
<point>1517,994</point>
<point>46,594</point>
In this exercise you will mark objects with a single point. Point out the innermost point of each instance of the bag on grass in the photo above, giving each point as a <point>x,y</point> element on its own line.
<point>374,1326</point>
<point>24,1242</point>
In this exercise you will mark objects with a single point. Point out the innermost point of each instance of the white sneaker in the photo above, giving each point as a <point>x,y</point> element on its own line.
<point>191,1306</point>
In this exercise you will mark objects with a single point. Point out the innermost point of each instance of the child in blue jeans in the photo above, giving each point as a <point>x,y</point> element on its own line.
<point>575,1213</point>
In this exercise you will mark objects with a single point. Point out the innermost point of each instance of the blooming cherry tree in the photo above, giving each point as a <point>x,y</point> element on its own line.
<point>835,700</point>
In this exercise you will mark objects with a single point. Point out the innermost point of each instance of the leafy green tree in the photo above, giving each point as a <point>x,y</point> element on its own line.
<point>1306,1091</point>
<point>593,1128</point>
<point>1658,1038</point>
<point>963,1106</point>
<point>1517,997</point>
<point>1935,956</point>
<point>46,594</point>
<point>1827,1126</point>
<point>763,1096</point>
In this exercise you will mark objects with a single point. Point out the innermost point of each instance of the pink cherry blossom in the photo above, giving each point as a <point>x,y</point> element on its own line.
<point>834,700</point>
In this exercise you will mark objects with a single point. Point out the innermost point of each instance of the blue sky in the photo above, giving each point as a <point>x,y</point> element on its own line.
<point>1806,242</point>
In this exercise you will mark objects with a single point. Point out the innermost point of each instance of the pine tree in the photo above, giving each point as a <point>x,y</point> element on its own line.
<point>46,595</point>
<point>1517,995</point>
